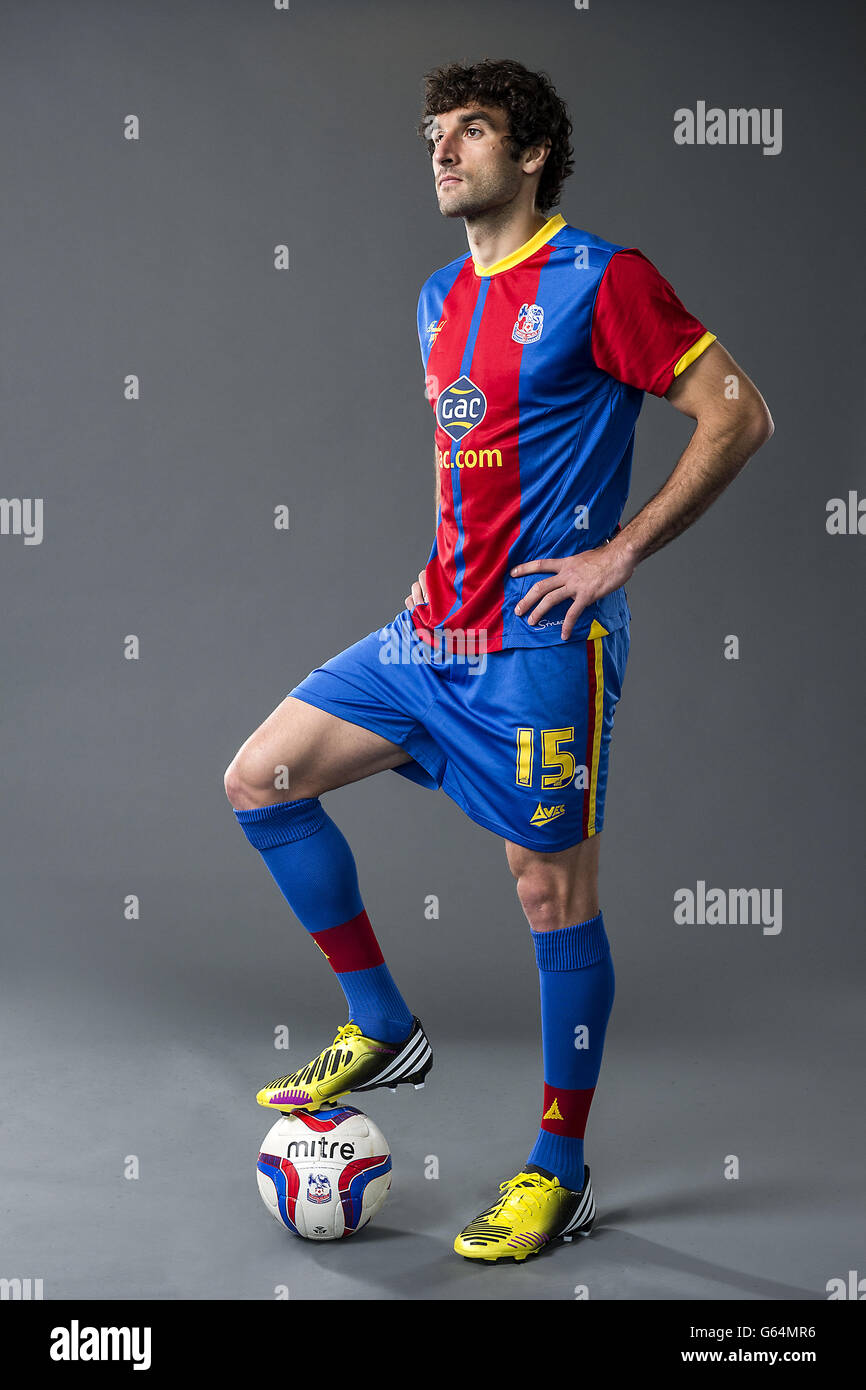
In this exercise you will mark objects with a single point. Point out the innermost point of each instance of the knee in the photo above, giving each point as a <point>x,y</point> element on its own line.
<point>556,890</point>
<point>535,879</point>
<point>543,897</point>
<point>237,788</point>
<point>248,784</point>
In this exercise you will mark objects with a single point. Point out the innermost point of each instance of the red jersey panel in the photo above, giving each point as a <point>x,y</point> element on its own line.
<point>640,330</point>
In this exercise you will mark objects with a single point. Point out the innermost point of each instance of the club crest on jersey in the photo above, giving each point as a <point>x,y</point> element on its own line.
<point>460,407</point>
<point>530,322</point>
<point>318,1188</point>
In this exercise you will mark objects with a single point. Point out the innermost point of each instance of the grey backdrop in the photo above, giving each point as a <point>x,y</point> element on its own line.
<point>305,387</point>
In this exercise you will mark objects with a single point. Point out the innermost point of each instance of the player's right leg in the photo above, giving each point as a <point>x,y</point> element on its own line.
<point>273,784</point>
<point>307,751</point>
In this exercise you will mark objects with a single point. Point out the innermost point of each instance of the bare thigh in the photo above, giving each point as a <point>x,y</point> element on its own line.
<point>302,751</point>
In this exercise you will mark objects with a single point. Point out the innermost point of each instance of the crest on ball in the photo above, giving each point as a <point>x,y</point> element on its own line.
<point>318,1188</point>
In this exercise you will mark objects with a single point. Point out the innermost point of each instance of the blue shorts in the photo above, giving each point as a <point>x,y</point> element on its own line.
<point>519,738</point>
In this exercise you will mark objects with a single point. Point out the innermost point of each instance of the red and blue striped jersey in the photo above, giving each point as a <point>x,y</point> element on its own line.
<point>536,369</point>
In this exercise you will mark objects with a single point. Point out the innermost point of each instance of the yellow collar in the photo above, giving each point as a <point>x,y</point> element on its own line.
<point>543,235</point>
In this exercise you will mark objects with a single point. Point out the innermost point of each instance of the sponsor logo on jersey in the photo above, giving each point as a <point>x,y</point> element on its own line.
<point>460,407</point>
<point>318,1188</point>
<point>470,458</point>
<point>542,814</point>
<point>433,329</point>
<point>553,1111</point>
<point>530,322</point>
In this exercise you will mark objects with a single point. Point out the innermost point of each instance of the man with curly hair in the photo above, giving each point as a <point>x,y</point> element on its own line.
<point>498,680</point>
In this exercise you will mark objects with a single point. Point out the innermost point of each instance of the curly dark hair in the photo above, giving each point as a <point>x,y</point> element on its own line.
<point>535,113</point>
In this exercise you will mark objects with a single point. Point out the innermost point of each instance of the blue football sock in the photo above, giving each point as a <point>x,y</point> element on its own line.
<point>577,988</point>
<point>315,871</point>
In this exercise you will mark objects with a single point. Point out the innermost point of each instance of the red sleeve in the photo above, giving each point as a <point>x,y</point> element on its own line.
<point>640,330</point>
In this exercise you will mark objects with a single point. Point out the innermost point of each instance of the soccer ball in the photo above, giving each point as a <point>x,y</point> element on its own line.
<point>324,1174</point>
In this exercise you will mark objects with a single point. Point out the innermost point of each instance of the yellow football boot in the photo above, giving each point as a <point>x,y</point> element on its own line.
<point>532,1212</point>
<point>353,1062</point>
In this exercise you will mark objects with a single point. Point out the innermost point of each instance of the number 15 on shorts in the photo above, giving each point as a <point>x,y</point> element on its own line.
<point>558,769</point>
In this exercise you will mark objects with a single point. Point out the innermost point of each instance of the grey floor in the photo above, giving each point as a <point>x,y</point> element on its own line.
<point>91,1079</point>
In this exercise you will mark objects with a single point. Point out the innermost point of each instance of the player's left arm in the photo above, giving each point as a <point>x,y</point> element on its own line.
<point>731,423</point>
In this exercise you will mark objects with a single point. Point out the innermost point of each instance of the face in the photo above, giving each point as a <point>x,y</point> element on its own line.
<point>472,164</point>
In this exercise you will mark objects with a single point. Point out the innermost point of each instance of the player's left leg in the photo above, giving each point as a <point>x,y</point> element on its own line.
<point>559,895</point>
<point>552,1196</point>
<point>552,710</point>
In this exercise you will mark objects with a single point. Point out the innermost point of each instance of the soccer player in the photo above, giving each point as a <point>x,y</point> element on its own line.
<point>498,679</point>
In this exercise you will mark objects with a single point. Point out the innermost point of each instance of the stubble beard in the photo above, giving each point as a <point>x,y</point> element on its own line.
<point>481,199</point>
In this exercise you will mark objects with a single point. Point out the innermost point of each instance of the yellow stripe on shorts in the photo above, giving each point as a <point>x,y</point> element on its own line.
<point>598,659</point>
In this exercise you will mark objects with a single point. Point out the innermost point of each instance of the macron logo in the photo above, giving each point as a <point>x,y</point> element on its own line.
<point>76,1343</point>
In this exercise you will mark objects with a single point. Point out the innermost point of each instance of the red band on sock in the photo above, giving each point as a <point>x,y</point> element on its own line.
<point>565,1112</point>
<point>350,946</point>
